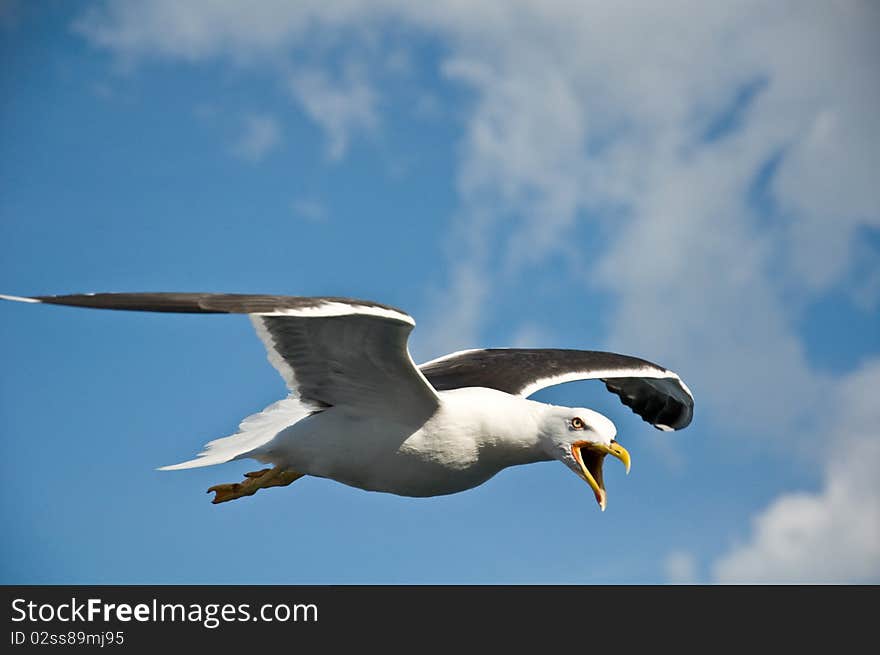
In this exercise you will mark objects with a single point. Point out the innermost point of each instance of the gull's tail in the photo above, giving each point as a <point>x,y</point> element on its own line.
<point>254,431</point>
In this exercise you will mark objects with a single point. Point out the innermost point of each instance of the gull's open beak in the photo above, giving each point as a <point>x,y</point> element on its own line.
<point>590,457</point>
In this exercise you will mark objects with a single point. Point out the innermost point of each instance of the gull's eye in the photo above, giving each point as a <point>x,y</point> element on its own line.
<point>577,423</point>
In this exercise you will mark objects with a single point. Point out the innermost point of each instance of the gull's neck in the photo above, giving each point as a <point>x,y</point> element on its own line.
<point>505,428</point>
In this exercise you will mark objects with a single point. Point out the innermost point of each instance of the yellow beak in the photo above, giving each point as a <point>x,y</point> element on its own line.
<point>590,456</point>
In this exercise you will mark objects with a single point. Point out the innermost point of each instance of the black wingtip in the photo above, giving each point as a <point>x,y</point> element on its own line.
<point>662,402</point>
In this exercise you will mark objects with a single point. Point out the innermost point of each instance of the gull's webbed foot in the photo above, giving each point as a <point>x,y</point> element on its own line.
<point>253,482</point>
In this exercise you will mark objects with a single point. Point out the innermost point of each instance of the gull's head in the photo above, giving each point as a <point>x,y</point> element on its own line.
<point>581,438</point>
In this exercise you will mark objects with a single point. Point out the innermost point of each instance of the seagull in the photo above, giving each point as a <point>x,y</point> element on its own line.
<point>361,412</point>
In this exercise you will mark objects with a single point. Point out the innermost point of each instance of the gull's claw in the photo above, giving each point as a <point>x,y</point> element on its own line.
<point>254,481</point>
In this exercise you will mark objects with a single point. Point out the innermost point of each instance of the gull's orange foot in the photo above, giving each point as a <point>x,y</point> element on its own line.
<point>253,482</point>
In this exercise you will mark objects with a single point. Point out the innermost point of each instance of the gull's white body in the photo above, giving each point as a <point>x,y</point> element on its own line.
<point>474,434</point>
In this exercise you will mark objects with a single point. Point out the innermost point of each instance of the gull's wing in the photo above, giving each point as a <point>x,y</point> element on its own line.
<point>656,394</point>
<point>330,351</point>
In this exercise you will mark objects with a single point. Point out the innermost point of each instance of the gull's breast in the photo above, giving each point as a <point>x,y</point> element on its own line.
<point>445,455</point>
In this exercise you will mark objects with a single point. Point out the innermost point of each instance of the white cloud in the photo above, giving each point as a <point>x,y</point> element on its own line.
<point>680,567</point>
<point>261,135</point>
<point>192,31</point>
<point>530,335</point>
<point>248,35</point>
<point>832,535</point>
<point>456,313</point>
<point>310,209</point>
<point>341,106</point>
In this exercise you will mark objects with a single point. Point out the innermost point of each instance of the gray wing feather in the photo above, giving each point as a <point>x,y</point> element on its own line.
<point>358,361</point>
<point>331,351</point>
<point>202,303</point>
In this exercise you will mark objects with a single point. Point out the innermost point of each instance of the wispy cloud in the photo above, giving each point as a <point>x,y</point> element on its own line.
<point>680,567</point>
<point>342,107</point>
<point>261,134</point>
<point>833,534</point>
<point>531,335</point>
<point>456,313</point>
<point>309,209</point>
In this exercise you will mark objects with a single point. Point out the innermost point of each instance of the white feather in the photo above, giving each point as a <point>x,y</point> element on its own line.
<point>18,298</point>
<point>254,431</point>
<point>328,308</point>
<point>596,374</point>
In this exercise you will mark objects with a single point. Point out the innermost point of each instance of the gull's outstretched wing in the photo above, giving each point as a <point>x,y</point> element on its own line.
<point>330,351</point>
<point>656,394</point>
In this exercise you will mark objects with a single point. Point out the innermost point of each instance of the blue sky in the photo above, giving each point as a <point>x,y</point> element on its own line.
<point>691,185</point>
